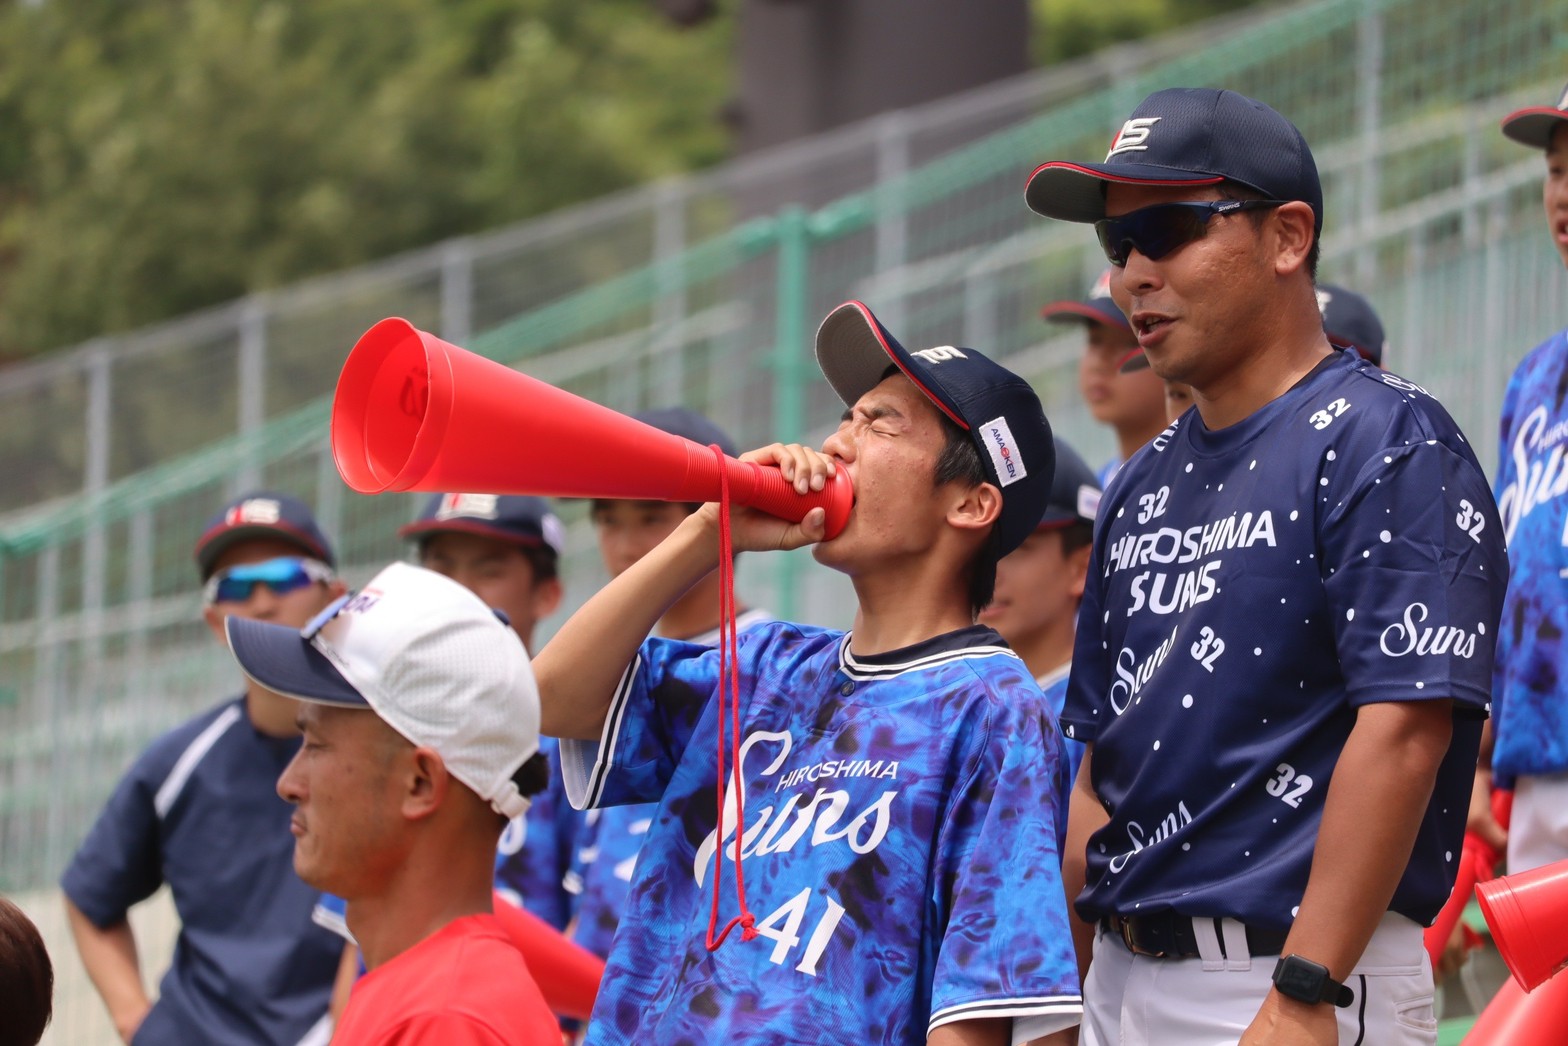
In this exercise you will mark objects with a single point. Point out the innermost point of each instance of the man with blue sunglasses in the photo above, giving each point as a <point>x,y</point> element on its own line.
<point>1284,650</point>
<point>199,812</point>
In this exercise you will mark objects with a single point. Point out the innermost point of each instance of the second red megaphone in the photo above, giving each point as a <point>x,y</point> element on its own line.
<point>413,412</point>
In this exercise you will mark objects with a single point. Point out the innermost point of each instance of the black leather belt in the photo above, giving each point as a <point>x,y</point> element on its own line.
<point>1170,936</point>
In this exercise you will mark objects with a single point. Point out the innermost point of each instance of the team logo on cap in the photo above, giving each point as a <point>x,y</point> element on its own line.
<point>1088,502</point>
<point>477,506</point>
<point>1133,135</point>
<point>1562,103</point>
<point>1102,285</point>
<point>264,511</point>
<point>1324,297</point>
<point>1009,464</point>
<point>940,353</point>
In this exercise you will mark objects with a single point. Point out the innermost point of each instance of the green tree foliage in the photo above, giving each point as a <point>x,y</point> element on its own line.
<point>1066,29</point>
<point>163,155</point>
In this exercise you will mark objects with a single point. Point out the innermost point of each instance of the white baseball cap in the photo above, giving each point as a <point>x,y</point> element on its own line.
<point>427,656</point>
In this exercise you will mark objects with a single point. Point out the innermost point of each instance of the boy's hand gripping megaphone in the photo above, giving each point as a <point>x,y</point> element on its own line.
<point>413,412</point>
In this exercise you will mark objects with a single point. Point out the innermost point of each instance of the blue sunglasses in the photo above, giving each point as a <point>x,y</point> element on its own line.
<point>282,575</point>
<point>1158,230</point>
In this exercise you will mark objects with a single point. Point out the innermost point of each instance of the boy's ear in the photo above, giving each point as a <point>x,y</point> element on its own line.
<point>976,508</point>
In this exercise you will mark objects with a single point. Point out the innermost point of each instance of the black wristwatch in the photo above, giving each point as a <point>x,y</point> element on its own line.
<point>1308,981</point>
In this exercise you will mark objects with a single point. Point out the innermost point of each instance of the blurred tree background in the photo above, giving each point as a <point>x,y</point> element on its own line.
<point>164,155</point>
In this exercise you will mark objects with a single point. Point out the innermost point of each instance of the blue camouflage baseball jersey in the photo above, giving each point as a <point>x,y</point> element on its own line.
<point>1530,704</point>
<point>901,844</point>
<point>536,850</point>
<point>608,843</point>
<point>1249,589</point>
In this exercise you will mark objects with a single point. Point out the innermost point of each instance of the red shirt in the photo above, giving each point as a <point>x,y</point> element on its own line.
<point>465,985</point>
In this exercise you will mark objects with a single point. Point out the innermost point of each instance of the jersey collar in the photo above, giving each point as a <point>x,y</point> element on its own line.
<point>974,641</point>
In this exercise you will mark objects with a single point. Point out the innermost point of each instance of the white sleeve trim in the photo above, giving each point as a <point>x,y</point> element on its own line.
<point>586,764</point>
<point>1032,1017</point>
<point>174,784</point>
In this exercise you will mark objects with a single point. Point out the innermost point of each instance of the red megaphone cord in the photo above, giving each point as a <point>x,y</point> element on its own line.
<point>729,694</point>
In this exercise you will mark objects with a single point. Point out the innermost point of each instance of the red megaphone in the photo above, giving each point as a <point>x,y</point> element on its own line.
<point>1517,1018</point>
<point>413,412</point>
<point>1528,914</point>
<point>1477,863</point>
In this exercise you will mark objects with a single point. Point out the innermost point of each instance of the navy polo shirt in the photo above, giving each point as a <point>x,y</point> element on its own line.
<point>199,810</point>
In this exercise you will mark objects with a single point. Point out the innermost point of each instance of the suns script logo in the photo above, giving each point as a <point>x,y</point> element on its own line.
<point>1131,676</point>
<point>817,821</point>
<point>1539,475</point>
<point>1141,839</point>
<point>1408,637</point>
<point>254,510</point>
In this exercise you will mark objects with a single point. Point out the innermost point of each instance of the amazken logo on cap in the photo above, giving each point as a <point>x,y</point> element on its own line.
<point>999,442</point>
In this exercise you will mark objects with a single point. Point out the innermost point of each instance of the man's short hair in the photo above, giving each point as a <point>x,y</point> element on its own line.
<point>26,978</point>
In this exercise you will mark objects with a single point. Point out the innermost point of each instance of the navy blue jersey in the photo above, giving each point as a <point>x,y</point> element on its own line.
<point>1054,686</point>
<point>199,810</point>
<point>901,843</point>
<point>1530,706</point>
<point>1249,589</point>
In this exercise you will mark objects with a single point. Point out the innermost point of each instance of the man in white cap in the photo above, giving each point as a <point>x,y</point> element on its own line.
<point>399,811</point>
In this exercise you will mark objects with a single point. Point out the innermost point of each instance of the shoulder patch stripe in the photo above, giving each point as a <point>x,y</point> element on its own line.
<point>174,784</point>
<point>612,734</point>
<point>1035,1006</point>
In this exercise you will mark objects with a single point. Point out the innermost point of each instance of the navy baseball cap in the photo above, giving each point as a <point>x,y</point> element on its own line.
<point>1098,307</point>
<point>1186,136</point>
<point>1534,125</point>
<point>996,407</point>
<point>262,514</point>
<point>514,518</point>
<point>1349,318</point>
<point>682,421</point>
<point>1075,490</point>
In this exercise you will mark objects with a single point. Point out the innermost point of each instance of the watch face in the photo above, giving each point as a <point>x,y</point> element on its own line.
<point>1300,978</point>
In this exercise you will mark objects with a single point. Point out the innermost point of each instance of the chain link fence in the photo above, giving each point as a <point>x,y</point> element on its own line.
<point>705,292</point>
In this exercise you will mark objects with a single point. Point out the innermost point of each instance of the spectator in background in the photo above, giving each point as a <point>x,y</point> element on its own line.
<point>1350,322</point>
<point>421,724</point>
<point>1040,583</point>
<point>1529,701</point>
<point>627,531</point>
<point>26,979</point>
<point>198,811</point>
<point>506,550</point>
<point>1132,404</point>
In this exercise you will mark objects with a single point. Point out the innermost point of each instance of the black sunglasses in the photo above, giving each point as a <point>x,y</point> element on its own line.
<point>1158,230</point>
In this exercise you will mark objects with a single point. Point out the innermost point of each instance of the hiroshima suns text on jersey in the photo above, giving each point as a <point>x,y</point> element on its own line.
<point>901,844</point>
<point>1249,589</point>
<point>1530,693</point>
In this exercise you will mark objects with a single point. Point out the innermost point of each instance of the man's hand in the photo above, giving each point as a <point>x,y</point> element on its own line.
<point>754,531</point>
<point>1287,1022</point>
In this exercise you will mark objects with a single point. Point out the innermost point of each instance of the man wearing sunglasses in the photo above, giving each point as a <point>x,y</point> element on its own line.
<point>1131,403</point>
<point>1284,652</point>
<point>199,812</point>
